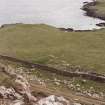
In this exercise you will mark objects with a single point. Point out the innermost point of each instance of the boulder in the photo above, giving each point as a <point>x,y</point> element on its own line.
<point>67,29</point>
<point>20,93</point>
<point>53,100</point>
<point>101,24</point>
<point>9,93</point>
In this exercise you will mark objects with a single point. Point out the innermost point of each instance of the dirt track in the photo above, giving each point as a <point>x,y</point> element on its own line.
<point>70,96</point>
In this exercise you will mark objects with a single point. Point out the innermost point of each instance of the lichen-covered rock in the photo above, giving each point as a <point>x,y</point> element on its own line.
<point>20,93</point>
<point>53,100</point>
<point>76,104</point>
<point>9,93</point>
<point>23,87</point>
<point>17,102</point>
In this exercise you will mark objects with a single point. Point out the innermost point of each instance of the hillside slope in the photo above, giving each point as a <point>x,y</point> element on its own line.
<point>47,45</point>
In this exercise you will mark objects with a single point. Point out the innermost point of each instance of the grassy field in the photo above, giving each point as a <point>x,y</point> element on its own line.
<point>41,43</point>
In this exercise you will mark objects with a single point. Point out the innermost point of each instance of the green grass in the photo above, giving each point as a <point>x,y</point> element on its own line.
<point>37,43</point>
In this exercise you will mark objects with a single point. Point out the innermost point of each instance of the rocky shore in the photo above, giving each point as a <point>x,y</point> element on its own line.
<point>20,90</point>
<point>20,93</point>
<point>92,12</point>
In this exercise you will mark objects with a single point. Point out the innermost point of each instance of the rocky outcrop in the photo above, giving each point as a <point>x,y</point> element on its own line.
<point>67,29</point>
<point>20,87</point>
<point>86,75</point>
<point>90,11</point>
<point>101,24</point>
<point>20,93</point>
<point>53,100</point>
<point>11,97</point>
<point>72,30</point>
<point>9,93</point>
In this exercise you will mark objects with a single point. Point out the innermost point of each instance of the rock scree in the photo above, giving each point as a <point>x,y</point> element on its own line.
<point>20,93</point>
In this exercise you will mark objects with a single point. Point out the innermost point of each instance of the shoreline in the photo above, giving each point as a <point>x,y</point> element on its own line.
<point>91,11</point>
<point>61,29</point>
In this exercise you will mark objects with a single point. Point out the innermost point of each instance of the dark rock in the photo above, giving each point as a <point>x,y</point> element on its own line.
<point>91,11</point>
<point>101,24</point>
<point>82,30</point>
<point>85,2</point>
<point>2,26</point>
<point>67,29</point>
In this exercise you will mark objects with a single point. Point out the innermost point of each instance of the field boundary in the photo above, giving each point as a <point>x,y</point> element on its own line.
<point>86,75</point>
